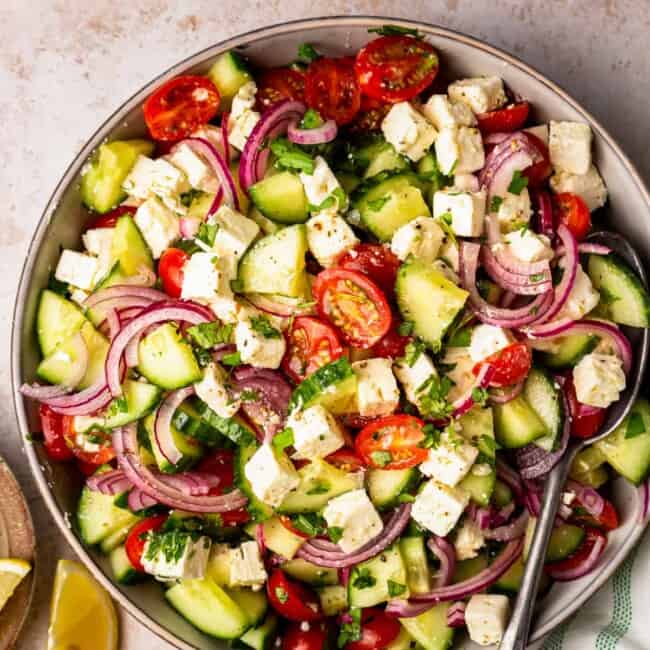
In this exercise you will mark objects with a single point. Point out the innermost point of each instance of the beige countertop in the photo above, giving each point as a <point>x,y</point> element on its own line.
<point>65,65</point>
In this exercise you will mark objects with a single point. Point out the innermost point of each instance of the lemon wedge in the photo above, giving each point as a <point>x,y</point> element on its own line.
<point>82,615</point>
<point>11,574</point>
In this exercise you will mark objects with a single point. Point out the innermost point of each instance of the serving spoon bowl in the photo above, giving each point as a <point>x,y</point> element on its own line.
<point>516,634</point>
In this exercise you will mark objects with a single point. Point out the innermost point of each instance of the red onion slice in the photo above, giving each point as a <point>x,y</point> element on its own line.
<point>112,482</point>
<point>509,532</point>
<point>515,143</point>
<point>456,615</point>
<point>113,323</point>
<point>260,538</point>
<point>510,477</point>
<point>583,568</point>
<point>643,493</point>
<point>43,393</point>
<point>523,285</point>
<point>280,306</point>
<point>147,294</point>
<point>505,395</point>
<point>162,426</point>
<point>585,248</point>
<point>225,118</point>
<point>189,226</point>
<point>589,498</point>
<point>465,402</point>
<point>544,222</point>
<point>446,554</point>
<point>326,132</point>
<point>138,500</point>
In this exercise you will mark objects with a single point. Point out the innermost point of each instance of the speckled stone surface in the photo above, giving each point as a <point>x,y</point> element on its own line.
<point>67,64</point>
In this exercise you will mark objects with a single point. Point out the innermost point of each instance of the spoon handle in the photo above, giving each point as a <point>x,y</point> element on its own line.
<point>516,635</point>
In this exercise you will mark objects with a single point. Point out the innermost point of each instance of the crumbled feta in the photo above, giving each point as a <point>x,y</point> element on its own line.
<point>599,379</point>
<point>271,474</point>
<point>540,131</point>
<point>212,390</point>
<point>569,146</point>
<point>486,617</point>
<point>174,555</point>
<point>469,540</point>
<point>466,209</point>
<point>320,185</point>
<point>466,183</point>
<point>246,566</point>
<point>158,224</point>
<point>200,277</point>
<point>460,372</point>
<point>438,507</point>
<point>442,112</point>
<point>316,433</point>
<point>527,246</point>
<point>590,186</point>
<point>413,377</point>
<point>377,392</point>
<point>481,94</point>
<point>77,269</point>
<point>261,348</point>
<point>235,232</point>
<point>450,460</point>
<point>421,238</point>
<point>459,150</point>
<point>244,99</point>
<point>329,236</point>
<point>199,173</point>
<point>515,210</point>
<point>242,118</point>
<point>583,297</point>
<point>486,340</point>
<point>408,131</point>
<point>355,514</point>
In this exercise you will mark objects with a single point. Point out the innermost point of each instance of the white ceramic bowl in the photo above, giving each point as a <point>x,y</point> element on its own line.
<point>60,225</point>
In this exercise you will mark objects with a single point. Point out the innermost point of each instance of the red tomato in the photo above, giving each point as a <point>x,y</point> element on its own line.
<point>221,464</point>
<point>572,211</point>
<point>346,459</point>
<point>510,118</point>
<point>87,469</point>
<point>510,365</point>
<point>137,538</point>
<point>54,440</point>
<point>395,68</point>
<point>540,171</point>
<point>356,421</point>
<point>378,630</point>
<point>354,304</point>
<point>608,518</point>
<point>170,269</point>
<point>288,524</point>
<point>180,106</point>
<point>579,555</point>
<point>391,442</point>
<point>105,454</point>
<point>109,219</point>
<point>311,344</point>
<point>370,115</point>
<point>378,262</point>
<point>291,599</point>
<point>313,638</point>
<point>280,83</point>
<point>583,425</point>
<point>392,345</point>
<point>331,88</point>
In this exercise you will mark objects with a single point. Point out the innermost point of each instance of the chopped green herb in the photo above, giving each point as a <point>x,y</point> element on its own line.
<point>412,352</point>
<point>537,277</point>
<point>326,204</point>
<point>188,246</point>
<point>461,338</point>
<point>207,232</point>
<point>335,533</point>
<point>479,395</point>
<point>446,217</point>
<point>635,425</point>
<point>395,588</point>
<point>378,204</point>
<point>488,445</point>
<point>232,359</point>
<point>311,119</point>
<point>362,578</point>
<point>405,328</point>
<point>405,498</point>
<point>395,30</point>
<point>432,395</point>
<point>495,203</point>
<point>307,52</point>
<point>262,325</point>
<point>248,395</point>
<point>283,439</point>
<point>381,458</point>
<point>350,631</point>
<point>281,594</point>
<point>431,438</point>
<point>319,487</point>
<point>118,405</point>
<point>189,196</point>
<point>207,335</point>
<point>291,156</point>
<point>518,182</point>
<point>309,523</point>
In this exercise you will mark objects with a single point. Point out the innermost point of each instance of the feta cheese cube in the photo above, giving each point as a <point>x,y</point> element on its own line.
<point>486,617</point>
<point>599,379</point>
<point>486,340</point>
<point>527,246</point>
<point>77,269</point>
<point>421,238</point>
<point>199,174</point>
<point>583,297</point>
<point>246,567</point>
<point>174,555</point>
<point>329,236</point>
<point>320,185</point>
<point>515,210</point>
<point>569,146</point>
<point>590,186</point>
<point>377,392</point>
<point>235,232</point>
<point>158,224</point>
<point>438,507</point>
<point>442,112</point>
<point>466,182</point>
<point>258,346</point>
<point>99,242</point>
<point>466,209</point>
<point>540,131</point>
<point>481,94</point>
<point>316,433</point>
<point>212,390</point>
<point>408,131</point>
<point>413,377</point>
<point>355,514</point>
<point>460,372</point>
<point>244,100</point>
<point>241,128</point>
<point>271,474</point>
<point>450,460</point>
<point>200,277</point>
<point>459,150</point>
<point>469,540</point>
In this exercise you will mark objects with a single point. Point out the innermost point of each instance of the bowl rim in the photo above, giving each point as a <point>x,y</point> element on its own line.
<point>104,130</point>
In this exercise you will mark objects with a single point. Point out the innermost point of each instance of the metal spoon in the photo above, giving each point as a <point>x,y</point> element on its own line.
<point>516,635</point>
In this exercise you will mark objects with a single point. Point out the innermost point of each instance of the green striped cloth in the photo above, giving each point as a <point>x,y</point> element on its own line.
<point>617,617</point>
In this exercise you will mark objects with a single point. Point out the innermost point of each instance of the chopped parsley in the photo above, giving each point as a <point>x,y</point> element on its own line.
<point>351,630</point>
<point>432,396</point>
<point>190,195</point>
<point>362,578</point>
<point>171,544</point>
<point>517,183</point>
<point>249,395</point>
<point>291,156</point>
<point>431,438</point>
<point>495,203</point>
<point>395,30</point>
<point>537,277</point>
<point>412,352</point>
<point>311,119</point>
<point>307,52</point>
<point>635,425</point>
<point>446,218</point>
<point>461,338</point>
<point>283,439</point>
<point>207,232</point>
<point>118,405</point>
<point>207,335</point>
<point>395,588</point>
<point>335,533</point>
<point>437,179</point>
<point>405,328</point>
<point>479,395</point>
<point>262,325</point>
<point>378,204</point>
<point>405,498</point>
<point>281,594</point>
<point>488,445</point>
<point>309,523</point>
<point>319,487</point>
<point>232,359</point>
<point>381,458</point>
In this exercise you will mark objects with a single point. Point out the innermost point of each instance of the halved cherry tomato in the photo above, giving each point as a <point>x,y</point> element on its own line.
<point>105,454</point>
<point>510,365</point>
<point>109,219</point>
<point>180,106</point>
<point>356,421</point>
<point>280,83</point>
<point>572,211</point>
<point>297,637</point>
<point>221,464</point>
<point>370,115</point>
<point>354,304</point>
<point>170,269</point>
<point>291,599</point>
<point>395,68</point>
<point>378,630</point>
<point>346,459</point>
<point>378,262</point>
<point>331,88</point>
<point>288,524</point>
<point>584,424</point>
<point>53,439</point>
<point>607,519</point>
<point>391,442</point>
<point>87,469</point>
<point>137,538</point>
<point>510,118</point>
<point>311,344</point>
<point>392,345</point>
<point>579,555</point>
<point>540,171</point>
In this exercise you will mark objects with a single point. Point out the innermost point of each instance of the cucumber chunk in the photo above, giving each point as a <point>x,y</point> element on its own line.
<point>281,198</point>
<point>189,448</point>
<point>426,298</point>
<point>278,538</point>
<point>418,574</point>
<point>430,629</point>
<point>333,599</point>
<point>234,428</point>
<point>516,424</point>
<point>141,398</point>
<point>123,571</point>
<point>267,226</point>
<point>129,248</point>
<point>510,581</point>
<point>312,574</point>
<point>502,494</point>
<point>57,320</point>
<point>480,486</point>
<point>101,184</point>
<point>276,264</point>
<point>260,638</point>
<point>253,603</point>
<point>466,569</point>
<point>166,360</point>
<point>623,299</point>
<point>570,349</point>
<point>108,544</point>
<point>565,540</point>
<point>228,73</point>
<point>381,156</point>
<point>403,641</point>
<point>543,396</point>
<point>386,485</point>
<point>256,509</point>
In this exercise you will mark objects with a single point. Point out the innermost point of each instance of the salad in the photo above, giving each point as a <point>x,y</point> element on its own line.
<point>331,326</point>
